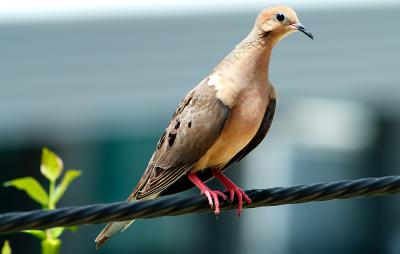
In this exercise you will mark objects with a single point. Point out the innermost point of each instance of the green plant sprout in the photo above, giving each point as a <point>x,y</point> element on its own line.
<point>6,249</point>
<point>51,167</point>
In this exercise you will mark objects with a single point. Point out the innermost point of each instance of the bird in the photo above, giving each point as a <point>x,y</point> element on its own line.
<point>218,122</point>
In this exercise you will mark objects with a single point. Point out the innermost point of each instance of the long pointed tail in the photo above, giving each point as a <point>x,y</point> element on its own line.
<point>102,237</point>
<point>109,230</point>
<point>115,227</point>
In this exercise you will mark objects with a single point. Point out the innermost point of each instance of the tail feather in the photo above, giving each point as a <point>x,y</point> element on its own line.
<point>109,230</point>
<point>101,241</point>
<point>114,227</point>
<point>102,237</point>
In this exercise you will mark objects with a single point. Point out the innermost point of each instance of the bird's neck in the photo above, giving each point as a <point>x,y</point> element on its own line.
<point>250,58</point>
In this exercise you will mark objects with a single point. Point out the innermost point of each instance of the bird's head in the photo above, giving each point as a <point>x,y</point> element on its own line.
<point>278,22</point>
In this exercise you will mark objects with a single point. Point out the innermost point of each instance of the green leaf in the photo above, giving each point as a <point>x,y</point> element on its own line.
<point>51,246</point>
<point>6,248</point>
<point>56,232</point>
<point>51,165</point>
<point>31,187</point>
<point>37,233</point>
<point>69,176</point>
<point>72,228</point>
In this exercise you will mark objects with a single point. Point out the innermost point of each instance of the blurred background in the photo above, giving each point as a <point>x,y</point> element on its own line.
<point>98,81</point>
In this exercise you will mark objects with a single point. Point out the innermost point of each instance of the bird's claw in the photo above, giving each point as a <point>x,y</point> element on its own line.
<point>212,197</point>
<point>240,196</point>
<point>233,189</point>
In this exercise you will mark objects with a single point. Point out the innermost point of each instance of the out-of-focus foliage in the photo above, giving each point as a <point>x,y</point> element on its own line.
<point>32,188</point>
<point>6,248</point>
<point>51,167</point>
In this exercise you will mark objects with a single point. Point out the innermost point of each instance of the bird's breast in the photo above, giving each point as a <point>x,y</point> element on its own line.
<point>243,123</point>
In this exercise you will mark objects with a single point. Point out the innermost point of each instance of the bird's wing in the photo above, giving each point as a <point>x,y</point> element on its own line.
<point>194,127</point>
<point>260,135</point>
<point>183,183</point>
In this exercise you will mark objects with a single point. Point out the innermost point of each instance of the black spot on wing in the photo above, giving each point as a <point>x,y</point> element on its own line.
<point>171,138</point>
<point>190,124</point>
<point>177,124</point>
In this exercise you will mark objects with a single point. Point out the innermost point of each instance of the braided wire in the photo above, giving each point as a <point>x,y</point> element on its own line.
<point>174,206</point>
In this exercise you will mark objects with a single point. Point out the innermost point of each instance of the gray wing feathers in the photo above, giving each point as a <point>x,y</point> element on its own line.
<point>194,127</point>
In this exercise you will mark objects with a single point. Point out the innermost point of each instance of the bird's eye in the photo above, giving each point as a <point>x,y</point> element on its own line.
<point>280,17</point>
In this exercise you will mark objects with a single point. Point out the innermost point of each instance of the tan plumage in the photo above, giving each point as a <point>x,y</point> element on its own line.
<point>219,122</point>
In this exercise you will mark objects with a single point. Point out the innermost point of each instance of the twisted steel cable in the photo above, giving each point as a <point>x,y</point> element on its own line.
<point>173,206</point>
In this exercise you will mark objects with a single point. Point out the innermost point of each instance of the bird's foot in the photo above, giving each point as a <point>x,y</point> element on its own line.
<point>212,195</point>
<point>233,189</point>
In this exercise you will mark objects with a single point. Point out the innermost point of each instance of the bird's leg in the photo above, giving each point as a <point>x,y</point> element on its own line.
<point>212,195</point>
<point>233,189</point>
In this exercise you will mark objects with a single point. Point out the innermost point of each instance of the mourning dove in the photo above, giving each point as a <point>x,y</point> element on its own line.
<point>218,122</point>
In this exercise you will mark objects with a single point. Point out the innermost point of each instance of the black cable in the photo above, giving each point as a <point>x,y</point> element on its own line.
<point>172,206</point>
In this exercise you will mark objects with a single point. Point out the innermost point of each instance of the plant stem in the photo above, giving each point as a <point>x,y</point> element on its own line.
<point>51,204</point>
<point>49,244</point>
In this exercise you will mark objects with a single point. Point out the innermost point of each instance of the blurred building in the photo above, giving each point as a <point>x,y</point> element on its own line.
<point>98,83</point>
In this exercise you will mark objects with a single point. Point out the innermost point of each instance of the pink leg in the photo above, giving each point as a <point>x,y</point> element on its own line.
<point>211,195</point>
<point>233,189</point>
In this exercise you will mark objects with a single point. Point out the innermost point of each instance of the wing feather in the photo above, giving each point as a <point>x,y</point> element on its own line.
<point>183,183</point>
<point>194,127</point>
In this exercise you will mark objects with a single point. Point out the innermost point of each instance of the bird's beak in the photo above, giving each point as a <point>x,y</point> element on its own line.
<point>301,28</point>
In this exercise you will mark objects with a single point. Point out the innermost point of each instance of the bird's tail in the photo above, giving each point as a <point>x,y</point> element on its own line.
<point>114,227</point>
<point>118,226</point>
<point>109,230</point>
